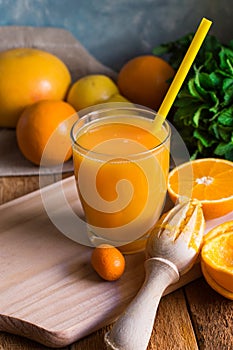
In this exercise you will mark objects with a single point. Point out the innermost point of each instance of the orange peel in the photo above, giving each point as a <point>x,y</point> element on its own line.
<point>213,284</point>
<point>217,259</point>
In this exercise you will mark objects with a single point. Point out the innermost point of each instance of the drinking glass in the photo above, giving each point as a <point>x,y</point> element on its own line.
<point>121,169</point>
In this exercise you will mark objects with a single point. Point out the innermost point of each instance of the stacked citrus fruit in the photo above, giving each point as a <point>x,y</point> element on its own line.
<point>29,77</point>
<point>34,89</point>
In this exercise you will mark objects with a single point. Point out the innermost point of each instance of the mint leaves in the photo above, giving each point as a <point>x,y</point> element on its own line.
<point>204,106</point>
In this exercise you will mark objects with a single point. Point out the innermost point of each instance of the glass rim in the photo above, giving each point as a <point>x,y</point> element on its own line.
<point>94,112</point>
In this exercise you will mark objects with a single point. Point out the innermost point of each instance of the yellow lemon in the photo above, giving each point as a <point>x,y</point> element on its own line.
<point>117,98</point>
<point>91,90</point>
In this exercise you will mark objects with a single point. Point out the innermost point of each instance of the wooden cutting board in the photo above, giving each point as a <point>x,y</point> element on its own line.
<point>49,291</point>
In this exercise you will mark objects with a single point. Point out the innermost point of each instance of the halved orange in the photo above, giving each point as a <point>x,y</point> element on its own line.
<point>217,259</point>
<point>210,180</point>
<point>225,227</point>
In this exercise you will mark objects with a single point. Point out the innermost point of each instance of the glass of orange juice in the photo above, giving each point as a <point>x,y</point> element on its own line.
<point>121,170</point>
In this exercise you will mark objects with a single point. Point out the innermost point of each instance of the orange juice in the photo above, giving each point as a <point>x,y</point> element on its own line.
<point>121,173</point>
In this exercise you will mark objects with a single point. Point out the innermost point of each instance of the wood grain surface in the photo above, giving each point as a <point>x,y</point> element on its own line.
<point>193,317</point>
<point>49,291</point>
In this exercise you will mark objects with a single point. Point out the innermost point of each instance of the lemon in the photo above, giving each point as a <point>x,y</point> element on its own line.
<point>117,98</point>
<point>91,90</point>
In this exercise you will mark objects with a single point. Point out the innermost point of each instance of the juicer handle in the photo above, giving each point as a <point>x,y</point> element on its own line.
<point>133,328</point>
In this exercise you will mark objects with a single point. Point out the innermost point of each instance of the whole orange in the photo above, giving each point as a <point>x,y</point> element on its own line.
<point>144,80</point>
<point>43,129</point>
<point>29,75</point>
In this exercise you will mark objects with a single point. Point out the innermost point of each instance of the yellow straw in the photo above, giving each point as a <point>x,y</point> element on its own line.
<point>181,73</point>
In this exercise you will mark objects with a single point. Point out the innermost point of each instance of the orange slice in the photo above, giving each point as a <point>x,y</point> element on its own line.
<point>217,259</point>
<point>218,230</point>
<point>210,180</point>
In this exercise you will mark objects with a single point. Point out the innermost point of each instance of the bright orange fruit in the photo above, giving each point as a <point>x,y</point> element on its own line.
<point>108,262</point>
<point>144,80</point>
<point>29,75</point>
<point>209,180</point>
<point>217,259</point>
<point>45,126</point>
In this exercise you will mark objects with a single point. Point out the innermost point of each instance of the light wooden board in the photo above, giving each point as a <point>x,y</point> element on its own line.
<point>49,291</point>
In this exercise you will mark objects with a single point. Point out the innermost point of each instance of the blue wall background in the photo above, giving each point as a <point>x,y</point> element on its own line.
<point>116,30</point>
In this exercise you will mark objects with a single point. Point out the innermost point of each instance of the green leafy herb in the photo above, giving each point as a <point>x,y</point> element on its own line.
<point>204,106</point>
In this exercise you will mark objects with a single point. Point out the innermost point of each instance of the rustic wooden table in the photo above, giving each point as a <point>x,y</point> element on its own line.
<point>193,317</point>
